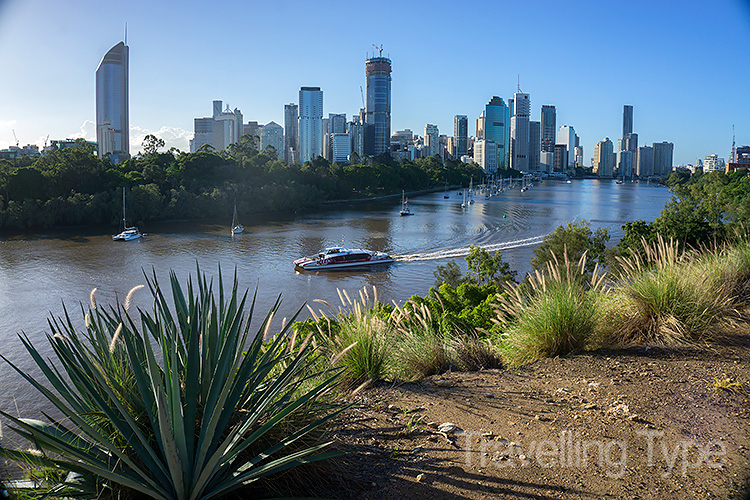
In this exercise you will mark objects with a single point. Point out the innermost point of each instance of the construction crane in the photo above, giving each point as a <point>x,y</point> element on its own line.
<point>734,149</point>
<point>15,137</point>
<point>379,49</point>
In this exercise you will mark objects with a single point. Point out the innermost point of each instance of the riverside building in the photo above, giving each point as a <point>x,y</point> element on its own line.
<point>112,109</point>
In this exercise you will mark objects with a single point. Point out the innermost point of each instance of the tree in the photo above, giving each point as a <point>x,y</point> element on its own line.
<point>450,273</point>
<point>151,144</point>
<point>575,238</point>
<point>486,268</point>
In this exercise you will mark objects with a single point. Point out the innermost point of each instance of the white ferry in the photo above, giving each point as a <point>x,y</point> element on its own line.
<point>339,258</point>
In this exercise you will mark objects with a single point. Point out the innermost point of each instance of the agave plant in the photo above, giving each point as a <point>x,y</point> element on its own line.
<point>187,406</point>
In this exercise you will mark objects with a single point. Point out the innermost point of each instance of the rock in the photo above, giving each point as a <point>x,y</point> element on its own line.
<point>441,382</point>
<point>488,395</point>
<point>417,449</point>
<point>448,428</point>
<point>594,384</point>
<point>588,406</point>
<point>433,425</point>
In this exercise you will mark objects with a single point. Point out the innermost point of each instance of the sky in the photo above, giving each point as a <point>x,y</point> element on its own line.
<point>683,65</point>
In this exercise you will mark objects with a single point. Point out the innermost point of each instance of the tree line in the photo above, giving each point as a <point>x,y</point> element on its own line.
<point>72,186</point>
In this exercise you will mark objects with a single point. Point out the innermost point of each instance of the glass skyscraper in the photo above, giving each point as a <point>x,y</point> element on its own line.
<point>496,116</point>
<point>112,120</point>
<point>378,107</point>
<point>310,123</point>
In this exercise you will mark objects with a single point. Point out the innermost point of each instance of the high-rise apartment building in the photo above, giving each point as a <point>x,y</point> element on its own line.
<point>291,119</point>
<point>534,146</point>
<point>356,131</point>
<point>625,164</point>
<point>341,147</point>
<point>378,107</point>
<point>519,131</point>
<point>431,140</point>
<point>460,136</point>
<point>112,109</point>
<point>495,124</point>
<point>602,164</point>
<point>336,123</point>
<point>627,120</point>
<point>310,123</point>
<point>479,127</point>
<point>548,128</point>
<point>560,158</point>
<point>227,126</point>
<point>645,161</point>
<point>663,157</point>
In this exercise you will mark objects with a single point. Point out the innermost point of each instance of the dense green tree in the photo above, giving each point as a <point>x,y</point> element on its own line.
<point>575,238</point>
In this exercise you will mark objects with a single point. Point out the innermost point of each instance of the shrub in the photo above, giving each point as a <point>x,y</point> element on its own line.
<point>191,404</point>
<point>552,314</point>
<point>669,297</point>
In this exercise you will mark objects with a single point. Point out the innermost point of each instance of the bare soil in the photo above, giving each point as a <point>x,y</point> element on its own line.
<point>640,423</point>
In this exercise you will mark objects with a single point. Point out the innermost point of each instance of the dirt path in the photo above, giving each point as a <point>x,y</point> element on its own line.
<point>640,423</point>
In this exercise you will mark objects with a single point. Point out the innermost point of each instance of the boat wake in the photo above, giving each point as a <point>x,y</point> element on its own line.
<point>464,251</point>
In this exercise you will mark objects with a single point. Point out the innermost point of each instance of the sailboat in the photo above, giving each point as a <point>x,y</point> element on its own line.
<point>471,191</point>
<point>464,205</point>
<point>445,193</point>
<point>128,233</point>
<point>237,228</point>
<point>404,205</point>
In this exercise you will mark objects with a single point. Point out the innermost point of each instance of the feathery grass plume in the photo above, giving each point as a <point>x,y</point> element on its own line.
<point>670,297</point>
<point>129,296</point>
<point>92,297</point>
<point>552,314</point>
<point>268,326</point>
<point>87,320</point>
<point>359,343</point>
<point>115,338</point>
<point>420,349</point>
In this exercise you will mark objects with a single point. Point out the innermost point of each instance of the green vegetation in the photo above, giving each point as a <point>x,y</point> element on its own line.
<point>190,405</point>
<point>73,187</point>
<point>574,239</point>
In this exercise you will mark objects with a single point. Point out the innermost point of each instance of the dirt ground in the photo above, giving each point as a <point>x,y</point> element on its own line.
<point>640,423</point>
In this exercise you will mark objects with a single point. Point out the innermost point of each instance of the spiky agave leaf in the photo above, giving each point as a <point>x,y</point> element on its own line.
<point>195,416</point>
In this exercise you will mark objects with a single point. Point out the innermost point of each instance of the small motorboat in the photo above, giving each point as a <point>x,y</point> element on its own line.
<point>339,258</point>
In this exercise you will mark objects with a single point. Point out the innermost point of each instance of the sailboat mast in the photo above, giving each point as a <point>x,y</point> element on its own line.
<point>124,223</point>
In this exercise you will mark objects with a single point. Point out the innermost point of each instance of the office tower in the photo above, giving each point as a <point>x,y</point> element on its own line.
<point>291,146</point>
<point>548,128</point>
<point>567,135</point>
<point>602,164</point>
<point>431,140</point>
<point>485,155</point>
<point>534,145</point>
<point>341,147</point>
<point>227,126</point>
<point>479,128</point>
<point>203,133</point>
<point>378,109</point>
<point>272,136</point>
<point>112,115</point>
<point>578,155</point>
<point>336,123</point>
<point>547,161</point>
<point>519,131</point>
<point>662,157</point>
<point>310,123</point>
<point>495,124</point>
<point>356,131</point>
<point>627,120</point>
<point>460,136</point>
<point>560,158</point>
<point>645,161</point>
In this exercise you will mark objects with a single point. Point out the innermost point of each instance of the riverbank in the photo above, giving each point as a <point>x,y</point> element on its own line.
<point>539,432</point>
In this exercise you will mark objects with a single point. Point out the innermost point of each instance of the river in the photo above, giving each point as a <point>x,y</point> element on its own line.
<point>40,272</point>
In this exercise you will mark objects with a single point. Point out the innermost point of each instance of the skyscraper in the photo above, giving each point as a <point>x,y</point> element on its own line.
<point>273,136</point>
<point>567,135</point>
<point>460,136</point>
<point>602,165</point>
<point>495,124</point>
<point>627,120</point>
<point>310,123</point>
<point>431,140</point>
<point>112,115</point>
<point>291,146</point>
<point>519,132</point>
<point>548,128</point>
<point>534,146</point>
<point>378,110</point>
<point>663,157</point>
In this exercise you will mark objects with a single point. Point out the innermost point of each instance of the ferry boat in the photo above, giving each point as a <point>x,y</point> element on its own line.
<point>339,258</point>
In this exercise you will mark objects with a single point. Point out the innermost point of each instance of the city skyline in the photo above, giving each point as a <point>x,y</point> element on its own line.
<point>173,73</point>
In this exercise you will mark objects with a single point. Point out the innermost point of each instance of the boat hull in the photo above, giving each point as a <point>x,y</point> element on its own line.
<point>314,266</point>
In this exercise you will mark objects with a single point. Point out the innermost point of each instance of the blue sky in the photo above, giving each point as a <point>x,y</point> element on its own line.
<point>683,65</point>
